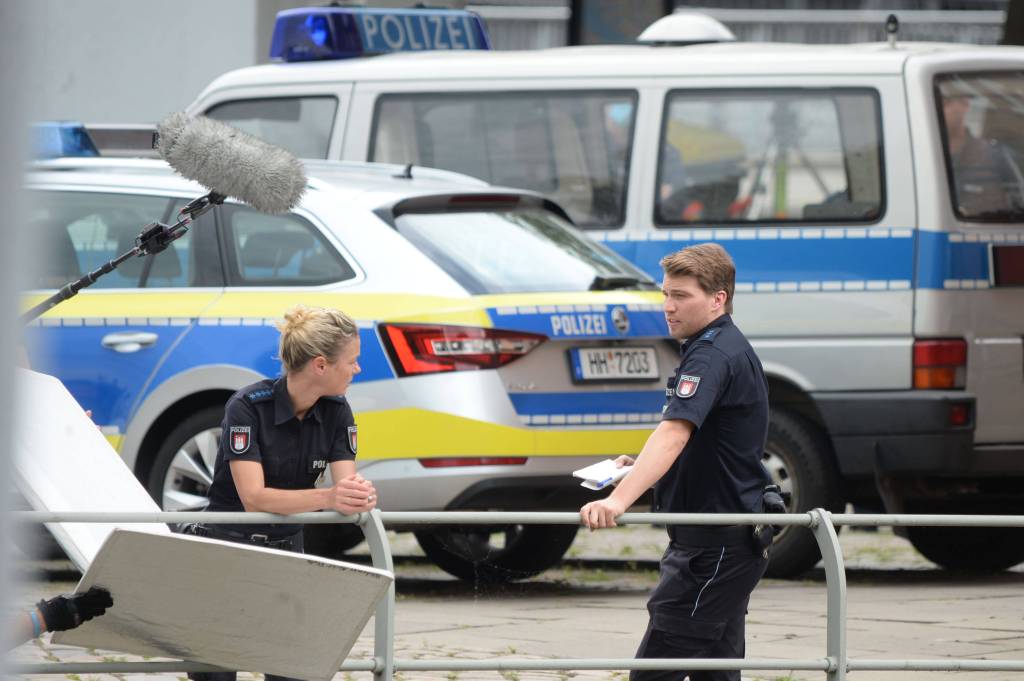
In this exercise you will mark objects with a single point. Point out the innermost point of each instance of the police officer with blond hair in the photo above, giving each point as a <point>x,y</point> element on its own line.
<point>704,457</point>
<point>280,436</point>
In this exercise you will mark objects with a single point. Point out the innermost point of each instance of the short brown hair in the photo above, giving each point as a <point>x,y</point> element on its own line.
<point>309,332</point>
<point>709,264</point>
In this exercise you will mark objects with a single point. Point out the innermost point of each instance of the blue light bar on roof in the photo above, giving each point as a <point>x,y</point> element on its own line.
<point>57,139</point>
<point>315,33</point>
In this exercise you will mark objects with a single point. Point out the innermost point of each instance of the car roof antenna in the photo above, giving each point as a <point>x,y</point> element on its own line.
<point>892,27</point>
<point>406,174</point>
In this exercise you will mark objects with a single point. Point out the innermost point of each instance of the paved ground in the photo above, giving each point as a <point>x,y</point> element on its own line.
<point>899,606</point>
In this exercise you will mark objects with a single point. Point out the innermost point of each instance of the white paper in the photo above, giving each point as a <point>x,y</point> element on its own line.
<point>601,474</point>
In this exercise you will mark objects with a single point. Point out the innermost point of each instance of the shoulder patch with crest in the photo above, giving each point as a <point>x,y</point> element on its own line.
<point>353,438</point>
<point>686,387</point>
<point>239,439</point>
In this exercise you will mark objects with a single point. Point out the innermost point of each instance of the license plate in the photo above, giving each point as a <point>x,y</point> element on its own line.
<point>616,363</point>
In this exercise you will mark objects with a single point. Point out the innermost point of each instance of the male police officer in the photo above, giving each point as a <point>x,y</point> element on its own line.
<point>705,457</point>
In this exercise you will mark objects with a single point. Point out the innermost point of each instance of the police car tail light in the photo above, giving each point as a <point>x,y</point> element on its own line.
<point>425,349</point>
<point>940,364</point>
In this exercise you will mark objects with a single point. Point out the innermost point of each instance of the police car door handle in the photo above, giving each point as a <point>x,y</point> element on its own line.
<point>130,341</point>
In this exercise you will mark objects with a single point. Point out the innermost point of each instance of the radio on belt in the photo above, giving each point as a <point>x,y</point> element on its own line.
<point>324,33</point>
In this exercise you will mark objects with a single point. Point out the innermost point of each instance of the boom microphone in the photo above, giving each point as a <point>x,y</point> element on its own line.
<point>228,161</point>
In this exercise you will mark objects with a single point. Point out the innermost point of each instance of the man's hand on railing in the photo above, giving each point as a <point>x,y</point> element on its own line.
<point>601,513</point>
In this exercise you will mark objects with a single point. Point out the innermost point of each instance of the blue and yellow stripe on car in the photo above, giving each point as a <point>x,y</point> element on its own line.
<point>238,328</point>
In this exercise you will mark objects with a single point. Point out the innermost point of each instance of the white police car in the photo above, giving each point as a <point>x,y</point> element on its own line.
<point>501,349</point>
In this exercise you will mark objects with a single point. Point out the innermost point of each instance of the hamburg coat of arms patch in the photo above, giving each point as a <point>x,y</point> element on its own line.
<point>687,386</point>
<point>240,439</point>
<point>353,438</point>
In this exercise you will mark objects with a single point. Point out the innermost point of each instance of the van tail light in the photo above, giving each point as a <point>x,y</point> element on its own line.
<point>456,462</point>
<point>940,364</point>
<point>427,349</point>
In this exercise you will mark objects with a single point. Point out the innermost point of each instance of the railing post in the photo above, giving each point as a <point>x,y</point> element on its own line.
<point>835,582</point>
<point>384,619</point>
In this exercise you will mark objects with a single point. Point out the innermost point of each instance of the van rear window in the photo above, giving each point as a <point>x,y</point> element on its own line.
<point>302,125</point>
<point>981,120</point>
<point>770,155</point>
<point>572,147</point>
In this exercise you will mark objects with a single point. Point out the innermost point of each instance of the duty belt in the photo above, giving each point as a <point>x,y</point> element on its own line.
<point>201,530</point>
<point>707,536</point>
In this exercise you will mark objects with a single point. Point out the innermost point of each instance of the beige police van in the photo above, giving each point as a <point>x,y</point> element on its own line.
<point>871,195</point>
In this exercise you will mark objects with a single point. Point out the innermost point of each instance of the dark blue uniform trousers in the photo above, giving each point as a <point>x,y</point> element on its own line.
<point>297,547</point>
<point>699,606</point>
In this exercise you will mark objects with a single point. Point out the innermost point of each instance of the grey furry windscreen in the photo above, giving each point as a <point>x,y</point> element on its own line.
<point>231,162</point>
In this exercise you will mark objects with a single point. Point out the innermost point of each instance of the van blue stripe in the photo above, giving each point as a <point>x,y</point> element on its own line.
<point>619,402</point>
<point>943,259</point>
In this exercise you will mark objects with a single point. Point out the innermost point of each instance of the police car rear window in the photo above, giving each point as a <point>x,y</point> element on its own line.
<point>517,251</point>
<point>302,125</point>
<point>778,155</point>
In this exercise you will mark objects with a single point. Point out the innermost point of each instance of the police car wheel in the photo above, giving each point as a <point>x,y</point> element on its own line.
<point>182,472</point>
<point>974,549</point>
<point>799,459</point>
<point>495,555</point>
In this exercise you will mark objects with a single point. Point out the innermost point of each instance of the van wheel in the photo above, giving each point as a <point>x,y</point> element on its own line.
<point>798,458</point>
<point>977,549</point>
<point>495,555</point>
<point>182,472</point>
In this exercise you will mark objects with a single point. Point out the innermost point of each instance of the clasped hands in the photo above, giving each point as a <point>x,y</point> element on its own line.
<point>353,494</point>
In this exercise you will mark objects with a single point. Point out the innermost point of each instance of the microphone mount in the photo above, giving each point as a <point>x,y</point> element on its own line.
<point>154,238</point>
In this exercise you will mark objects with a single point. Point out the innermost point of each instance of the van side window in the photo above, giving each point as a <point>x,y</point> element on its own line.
<point>574,148</point>
<point>770,156</point>
<point>81,231</point>
<point>302,125</point>
<point>981,119</point>
<point>278,250</point>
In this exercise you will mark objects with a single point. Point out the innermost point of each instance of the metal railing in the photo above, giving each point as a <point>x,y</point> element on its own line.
<point>836,662</point>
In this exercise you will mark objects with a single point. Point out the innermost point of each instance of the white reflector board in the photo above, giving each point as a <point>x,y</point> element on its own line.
<point>62,462</point>
<point>236,606</point>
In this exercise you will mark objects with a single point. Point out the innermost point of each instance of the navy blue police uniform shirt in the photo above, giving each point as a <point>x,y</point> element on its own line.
<point>721,389</point>
<point>260,425</point>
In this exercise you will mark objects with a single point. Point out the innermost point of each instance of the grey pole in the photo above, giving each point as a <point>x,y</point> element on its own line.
<point>835,581</point>
<point>384,620</point>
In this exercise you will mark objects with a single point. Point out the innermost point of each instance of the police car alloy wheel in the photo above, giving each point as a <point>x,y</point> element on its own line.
<point>183,468</point>
<point>494,555</point>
